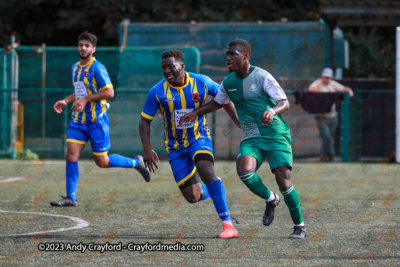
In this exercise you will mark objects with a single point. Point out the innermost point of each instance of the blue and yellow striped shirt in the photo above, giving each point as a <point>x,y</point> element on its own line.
<point>175,102</point>
<point>95,77</point>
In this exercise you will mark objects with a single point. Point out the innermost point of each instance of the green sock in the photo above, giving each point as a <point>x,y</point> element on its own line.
<point>293,202</point>
<point>255,184</point>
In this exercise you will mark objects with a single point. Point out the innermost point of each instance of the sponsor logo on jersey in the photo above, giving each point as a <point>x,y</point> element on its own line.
<point>169,99</point>
<point>232,90</point>
<point>207,147</point>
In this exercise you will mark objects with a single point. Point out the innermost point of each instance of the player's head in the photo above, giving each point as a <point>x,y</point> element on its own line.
<point>173,67</point>
<point>238,54</point>
<point>86,44</point>
<point>326,76</point>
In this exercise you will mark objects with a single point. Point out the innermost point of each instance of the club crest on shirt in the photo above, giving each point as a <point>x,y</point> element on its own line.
<point>196,97</point>
<point>253,87</point>
<point>85,72</point>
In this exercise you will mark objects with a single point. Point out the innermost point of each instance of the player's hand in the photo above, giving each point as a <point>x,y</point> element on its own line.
<point>58,106</point>
<point>150,159</point>
<point>238,124</point>
<point>188,116</point>
<point>79,104</point>
<point>267,117</point>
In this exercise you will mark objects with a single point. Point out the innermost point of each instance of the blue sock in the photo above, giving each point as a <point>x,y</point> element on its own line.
<point>72,178</point>
<point>121,161</point>
<point>216,190</point>
<point>205,194</point>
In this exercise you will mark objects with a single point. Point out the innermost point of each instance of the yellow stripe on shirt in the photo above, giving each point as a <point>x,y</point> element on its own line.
<point>73,83</point>
<point>73,71</point>
<point>196,106</point>
<point>171,111</point>
<point>78,79</point>
<point>106,87</point>
<point>147,116</point>
<point>185,140</point>
<point>165,123</point>
<point>204,115</point>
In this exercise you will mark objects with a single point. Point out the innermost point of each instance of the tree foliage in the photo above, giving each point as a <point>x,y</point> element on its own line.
<point>372,52</point>
<point>59,22</point>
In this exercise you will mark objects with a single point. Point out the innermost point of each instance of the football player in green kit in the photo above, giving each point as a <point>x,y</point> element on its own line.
<point>259,101</point>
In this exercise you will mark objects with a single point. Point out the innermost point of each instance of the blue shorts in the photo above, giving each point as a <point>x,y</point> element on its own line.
<point>182,161</point>
<point>97,132</point>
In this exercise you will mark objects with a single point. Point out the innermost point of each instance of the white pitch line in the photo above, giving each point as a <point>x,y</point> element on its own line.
<point>81,223</point>
<point>11,179</point>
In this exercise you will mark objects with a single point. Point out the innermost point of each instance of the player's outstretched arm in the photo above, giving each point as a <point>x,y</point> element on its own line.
<point>150,157</point>
<point>281,106</point>
<point>207,108</point>
<point>230,109</point>
<point>60,104</point>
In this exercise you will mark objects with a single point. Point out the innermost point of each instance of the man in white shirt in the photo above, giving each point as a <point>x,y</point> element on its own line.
<point>328,122</point>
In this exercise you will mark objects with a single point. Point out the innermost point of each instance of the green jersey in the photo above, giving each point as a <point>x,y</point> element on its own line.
<point>252,96</point>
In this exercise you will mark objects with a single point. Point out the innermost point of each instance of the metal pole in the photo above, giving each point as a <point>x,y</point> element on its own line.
<point>14,99</point>
<point>4,105</point>
<point>43,90</point>
<point>398,94</point>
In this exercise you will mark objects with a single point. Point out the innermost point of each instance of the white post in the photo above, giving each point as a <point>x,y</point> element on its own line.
<point>398,94</point>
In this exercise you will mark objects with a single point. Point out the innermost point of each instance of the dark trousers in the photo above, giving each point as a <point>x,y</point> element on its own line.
<point>327,129</point>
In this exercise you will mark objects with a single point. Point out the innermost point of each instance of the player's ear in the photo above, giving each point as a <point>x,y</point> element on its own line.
<point>183,66</point>
<point>94,49</point>
<point>246,56</point>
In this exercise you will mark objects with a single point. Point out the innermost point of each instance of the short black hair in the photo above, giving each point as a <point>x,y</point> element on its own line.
<point>178,55</point>
<point>88,36</point>
<point>244,46</point>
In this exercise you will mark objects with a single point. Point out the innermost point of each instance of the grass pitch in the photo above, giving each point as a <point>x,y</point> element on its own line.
<point>351,213</point>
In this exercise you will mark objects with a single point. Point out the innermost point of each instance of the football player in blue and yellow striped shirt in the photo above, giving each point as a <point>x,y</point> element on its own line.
<point>89,119</point>
<point>189,146</point>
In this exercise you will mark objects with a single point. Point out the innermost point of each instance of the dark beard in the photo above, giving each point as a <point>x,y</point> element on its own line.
<point>83,57</point>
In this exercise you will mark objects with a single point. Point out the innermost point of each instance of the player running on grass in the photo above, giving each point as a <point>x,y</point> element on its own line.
<point>188,145</point>
<point>259,101</point>
<point>89,119</point>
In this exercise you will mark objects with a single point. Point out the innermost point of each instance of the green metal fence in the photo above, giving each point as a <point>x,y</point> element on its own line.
<point>8,97</point>
<point>44,70</point>
<point>45,77</point>
<point>135,68</point>
<point>124,115</point>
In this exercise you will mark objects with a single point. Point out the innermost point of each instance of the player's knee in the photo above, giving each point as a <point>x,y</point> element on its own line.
<point>192,198</point>
<point>245,165</point>
<point>72,155</point>
<point>283,183</point>
<point>102,163</point>
<point>244,169</point>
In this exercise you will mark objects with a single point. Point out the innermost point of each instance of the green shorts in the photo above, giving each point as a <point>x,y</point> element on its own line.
<point>277,151</point>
